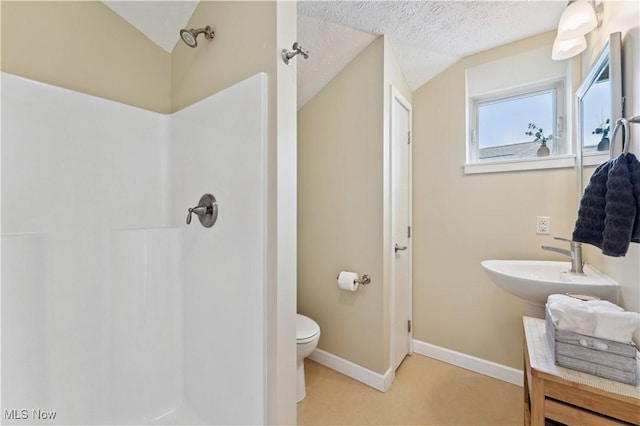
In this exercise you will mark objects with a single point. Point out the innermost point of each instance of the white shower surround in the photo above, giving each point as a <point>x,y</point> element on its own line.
<point>114,311</point>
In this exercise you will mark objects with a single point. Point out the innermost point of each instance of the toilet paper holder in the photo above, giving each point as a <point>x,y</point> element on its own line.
<point>366,279</point>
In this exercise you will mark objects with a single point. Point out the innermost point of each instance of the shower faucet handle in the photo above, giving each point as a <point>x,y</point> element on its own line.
<point>200,210</point>
<point>207,211</point>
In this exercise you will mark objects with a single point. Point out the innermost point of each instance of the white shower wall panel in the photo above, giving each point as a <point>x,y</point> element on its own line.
<point>74,167</point>
<point>136,326</point>
<point>219,147</point>
<point>24,334</point>
<point>145,340</point>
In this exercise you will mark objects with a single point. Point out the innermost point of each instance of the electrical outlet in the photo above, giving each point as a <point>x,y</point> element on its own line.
<point>543,225</point>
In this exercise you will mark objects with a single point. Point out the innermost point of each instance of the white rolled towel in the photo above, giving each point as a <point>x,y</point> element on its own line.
<point>563,299</point>
<point>603,306</point>
<point>617,326</point>
<point>573,317</point>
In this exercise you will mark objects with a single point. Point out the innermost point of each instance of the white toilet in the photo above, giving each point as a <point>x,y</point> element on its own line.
<point>307,336</point>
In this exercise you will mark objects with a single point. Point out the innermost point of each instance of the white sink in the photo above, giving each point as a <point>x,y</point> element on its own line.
<point>535,280</point>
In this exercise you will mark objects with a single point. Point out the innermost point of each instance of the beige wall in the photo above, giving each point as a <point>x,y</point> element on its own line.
<point>393,74</point>
<point>344,206</point>
<point>248,39</point>
<point>281,381</point>
<point>393,77</point>
<point>244,44</point>
<point>460,220</point>
<point>340,217</point>
<point>85,46</point>
<point>623,16</point>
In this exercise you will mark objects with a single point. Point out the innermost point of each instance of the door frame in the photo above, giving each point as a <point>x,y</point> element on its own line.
<point>396,96</point>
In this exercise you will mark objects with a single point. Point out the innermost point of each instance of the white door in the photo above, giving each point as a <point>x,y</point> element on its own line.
<point>401,335</point>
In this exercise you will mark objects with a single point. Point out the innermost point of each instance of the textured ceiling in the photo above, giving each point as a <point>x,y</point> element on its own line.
<point>426,36</point>
<point>332,47</point>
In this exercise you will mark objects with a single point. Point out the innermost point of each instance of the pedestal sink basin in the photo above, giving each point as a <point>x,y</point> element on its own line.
<point>535,280</point>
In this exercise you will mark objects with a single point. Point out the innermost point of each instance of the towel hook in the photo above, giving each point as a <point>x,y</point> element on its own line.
<point>624,124</point>
<point>287,55</point>
<point>626,135</point>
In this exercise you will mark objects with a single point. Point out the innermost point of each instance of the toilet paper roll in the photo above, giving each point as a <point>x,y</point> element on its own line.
<point>347,281</point>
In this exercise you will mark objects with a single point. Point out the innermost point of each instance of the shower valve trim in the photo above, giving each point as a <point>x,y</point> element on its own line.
<point>206,210</point>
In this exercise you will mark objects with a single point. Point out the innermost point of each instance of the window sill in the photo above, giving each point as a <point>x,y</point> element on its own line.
<point>594,159</point>
<point>555,162</point>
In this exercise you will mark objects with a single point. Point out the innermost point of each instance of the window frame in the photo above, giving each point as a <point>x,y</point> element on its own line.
<point>562,155</point>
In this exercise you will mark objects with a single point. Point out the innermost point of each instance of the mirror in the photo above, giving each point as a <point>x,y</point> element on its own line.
<point>599,106</point>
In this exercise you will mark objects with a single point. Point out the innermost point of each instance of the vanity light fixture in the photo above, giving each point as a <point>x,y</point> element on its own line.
<point>577,20</point>
<point>565,49</point>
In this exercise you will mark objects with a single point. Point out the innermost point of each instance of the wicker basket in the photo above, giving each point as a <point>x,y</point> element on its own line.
<point>600,357</point>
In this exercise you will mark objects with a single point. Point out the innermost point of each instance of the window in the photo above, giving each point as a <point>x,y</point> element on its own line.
<point>518,129</point>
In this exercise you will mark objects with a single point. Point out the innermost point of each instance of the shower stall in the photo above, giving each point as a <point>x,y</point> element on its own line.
<point>114,309</point>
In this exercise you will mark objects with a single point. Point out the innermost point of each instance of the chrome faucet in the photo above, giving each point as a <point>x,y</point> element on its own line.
<point>575,254</point>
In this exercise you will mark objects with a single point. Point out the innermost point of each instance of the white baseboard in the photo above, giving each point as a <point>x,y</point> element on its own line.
<point>479,365</point>
<point>377,381</point>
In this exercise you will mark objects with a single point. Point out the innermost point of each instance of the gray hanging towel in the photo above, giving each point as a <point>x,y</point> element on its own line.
<point>591,212</point>
<point>620,209</point>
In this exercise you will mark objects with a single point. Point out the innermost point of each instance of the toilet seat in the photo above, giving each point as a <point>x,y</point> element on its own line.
<point>306,329</point>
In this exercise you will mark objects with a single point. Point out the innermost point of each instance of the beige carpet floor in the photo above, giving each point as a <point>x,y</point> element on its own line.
<point>424,392</point>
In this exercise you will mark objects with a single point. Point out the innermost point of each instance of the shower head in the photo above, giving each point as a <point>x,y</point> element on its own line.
<point>191,36</point>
